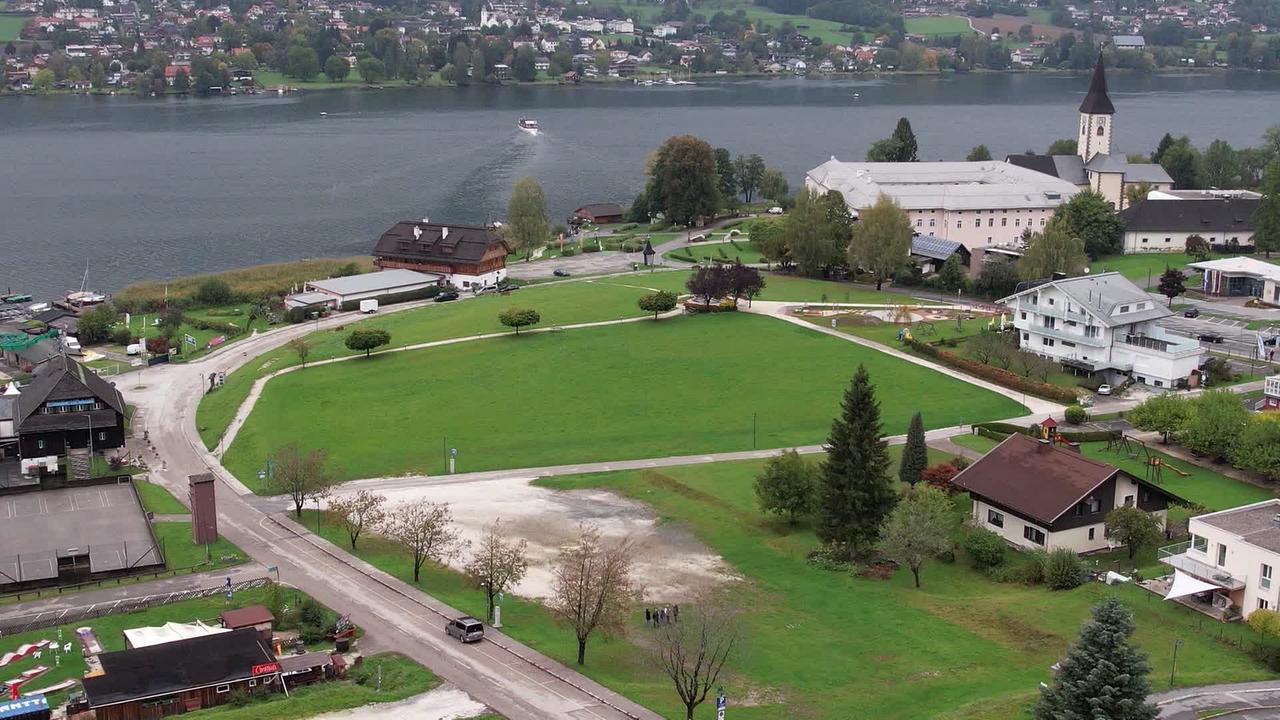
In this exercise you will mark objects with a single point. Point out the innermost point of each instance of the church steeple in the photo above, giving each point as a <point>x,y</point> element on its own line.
<point>1095,117</point>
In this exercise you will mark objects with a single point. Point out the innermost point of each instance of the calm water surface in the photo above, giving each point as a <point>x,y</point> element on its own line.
<point>149,189</point>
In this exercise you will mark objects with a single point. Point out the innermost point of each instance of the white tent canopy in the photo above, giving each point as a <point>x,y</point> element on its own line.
<point>1184,584</point>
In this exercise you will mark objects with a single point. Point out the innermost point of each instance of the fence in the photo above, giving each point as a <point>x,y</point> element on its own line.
<point>51,618</point>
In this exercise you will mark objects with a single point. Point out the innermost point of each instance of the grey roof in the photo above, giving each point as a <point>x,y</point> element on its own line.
<point>1255,524</point>
<point>1191,215</point>
<point>980,185</point>
<point>8,406</point>
<point>1129,41</point>
<point>1247,266</point>
<point>1102,294</point>
<point>384,280</point>
<point>934,247</point>
<point>310,298</point>
<point>1133,172</point>
<point>1064,167</point>
<point>60,378</point>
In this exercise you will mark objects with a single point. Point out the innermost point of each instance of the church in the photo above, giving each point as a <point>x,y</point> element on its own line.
<point>1094,166</point>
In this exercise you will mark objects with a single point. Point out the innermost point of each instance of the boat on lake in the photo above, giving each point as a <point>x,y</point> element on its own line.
<point>528,125</point>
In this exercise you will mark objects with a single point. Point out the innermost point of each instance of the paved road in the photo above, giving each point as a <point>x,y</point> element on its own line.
<point>1250,701</point>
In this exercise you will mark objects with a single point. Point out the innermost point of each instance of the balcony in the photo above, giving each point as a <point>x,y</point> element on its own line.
<point>1179,557</point>
<point>1058,311</point>
<point>1157,341</point>
<point>1061,333</point>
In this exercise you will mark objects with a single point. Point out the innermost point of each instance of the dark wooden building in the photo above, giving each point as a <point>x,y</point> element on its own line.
<point>66,406</point>
<point>181,676</point>
<point>257,617</point>
<point>599,213</point>
<point>204,509</point>
<point>468,256</point>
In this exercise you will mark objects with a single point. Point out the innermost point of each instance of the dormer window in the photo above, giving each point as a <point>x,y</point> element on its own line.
<point>1124,308</point>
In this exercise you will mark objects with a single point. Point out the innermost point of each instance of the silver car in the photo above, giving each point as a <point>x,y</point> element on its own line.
<point>466,629</point>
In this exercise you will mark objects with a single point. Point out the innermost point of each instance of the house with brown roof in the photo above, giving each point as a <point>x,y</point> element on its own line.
<point>1037,494</point>
<point>257,617</point>
<point>468,256</point>
<point>599,213</point>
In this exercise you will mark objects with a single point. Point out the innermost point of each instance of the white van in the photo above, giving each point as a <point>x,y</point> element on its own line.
<point>71,344</point>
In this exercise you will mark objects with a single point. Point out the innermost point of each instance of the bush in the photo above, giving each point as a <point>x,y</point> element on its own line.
<point>121,336</point>
<point>1000,376</point>
<point>1063,569</point>
<point>568,252</point>
<point>1076,415</point>
<point>829,557</point>
<point>213,291</point>
<point>1034,567</point>
<point>1005,573</point>
<point>312,634</point>
<point>590,248</point>
<point>239,698</point>
<point>940,476</point>
<point>984,548</point>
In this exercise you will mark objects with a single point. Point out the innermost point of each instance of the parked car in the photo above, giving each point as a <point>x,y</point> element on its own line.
<point>560,273</point>
<point>775,210</point>
<point>466,629</point>
<point>1209,337</point>
<point>1104,389</point>
<point>446,296</point>
<point>134,349</point>
<point>1191,312</point>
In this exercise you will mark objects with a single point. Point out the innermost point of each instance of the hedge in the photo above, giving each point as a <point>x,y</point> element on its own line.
<point>1007,379</point>
<point>999,431</point>
<point>420,294</point>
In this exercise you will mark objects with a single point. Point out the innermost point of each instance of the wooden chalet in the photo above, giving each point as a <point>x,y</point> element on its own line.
<point>66,406</point>
<point>467,255</point>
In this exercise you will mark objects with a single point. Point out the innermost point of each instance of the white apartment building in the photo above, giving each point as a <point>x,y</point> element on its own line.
<point>1235,556</point>
<point>1104,324</point>
<point>974,203</point>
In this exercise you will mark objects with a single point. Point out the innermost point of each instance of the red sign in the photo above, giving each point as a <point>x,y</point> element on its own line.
<point>265,668</point>
<point>216,341</point>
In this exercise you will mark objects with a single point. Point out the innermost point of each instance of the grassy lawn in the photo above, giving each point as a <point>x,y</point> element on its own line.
<point>11,26</point>
<point>1201,485</point>
<point>180,552</point>
<point>580,396</point>
<point>975,442</point>
<point>781,287</point>
<point>157,499</point>
<point>234,319</point>
<point>1141,266</point>
<point>887,332</point>
<point>743,251</point>
<point>272,78</point>
<point>937,25</point>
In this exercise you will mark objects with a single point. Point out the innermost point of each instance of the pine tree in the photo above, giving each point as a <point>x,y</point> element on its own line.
<point>856,492</point>
<point>1101,676</point>
<point>905,138</point>
<point>915,456</point>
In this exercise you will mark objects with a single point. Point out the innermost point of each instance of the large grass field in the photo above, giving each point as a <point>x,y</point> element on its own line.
<point>938,25</point>
<point>679,386</point>
<point>784,288</point>
<point>11,26</point>
<point>1139,267</point>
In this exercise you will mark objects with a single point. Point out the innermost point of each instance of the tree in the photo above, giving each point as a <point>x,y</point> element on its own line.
<point>182,82</point>
<point>1092,218</point>
<point>773,185</point>
<point>170,322</point>
<point>1220,165</point>
<point>302,348</point>
<point>359,512</point>
<point>1197,247</point>
<point>881,239</point>
<point>657,303</point>
<point>744,282</point>
<point>1182,161</point>
<point>918,528</point>
<point>1166,142</point>
<point>523,68</point>
<point>905,140</point>
<point>519,317</point>
<point>788,486</point>
<point>213,291</point>
<point>952,277</point>
<point>96,324</point>
<point>727,176</point>
<point>684,178</point>
<point>771,237</point>
<point>1213,424</point>
<point>884,150</point>
<point>1133,527</point>
<point>856,494</point>
<point>809,235</point>
<point>372,70</point>
<point>1171,283</point>
<point>1052,250</point>
<point>1259,447</point>
<point>367,340</point>
<point>1134,194</point>
<point>749,170</point>
<point>336,68</point>
<point>915,454</point>
<point>498,564</point>
<point>593,588</point>
<point>43,81</point>
<point>708,282</point>
<point>527,222</point>
<point>426,530</point>
<point>979,152</point>
<point>1065,146</point>
<point>301,62</point>
<point>1266,219</point>
<point>1101,675</point>
<point>693,652</point>
<point>301,474</point>
<point>997,279</point>
<point>1164,414</point>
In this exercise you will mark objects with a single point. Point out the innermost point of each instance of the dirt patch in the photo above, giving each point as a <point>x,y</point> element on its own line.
<point>998,625</point>
<point>672,566</point>
<point>443,703</point>
<point>1009,24</point>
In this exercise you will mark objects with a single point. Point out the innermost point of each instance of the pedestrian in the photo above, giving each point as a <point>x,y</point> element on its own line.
<point>675,612</point>
<point>646,616</point>
<point>655,617</point>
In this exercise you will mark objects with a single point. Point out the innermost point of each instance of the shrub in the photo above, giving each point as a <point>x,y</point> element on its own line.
<point>1063,569</point>
<point>239,698</point>
<point>1005,573</point>
<point>157,345</point>
<point>1265,622</point>
<point>984,548</point>
<point>1076,415</point>
<point>829,557</point>
<point>568,252</point>
<point>590,248</point>
<point>121,336</point>
<point>1034,567</point>
<point>940,476</point>
<point>213,291</point>
<point>1000,376</point>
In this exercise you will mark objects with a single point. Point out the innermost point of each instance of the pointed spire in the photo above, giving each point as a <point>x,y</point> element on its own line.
<point>1096,101</point>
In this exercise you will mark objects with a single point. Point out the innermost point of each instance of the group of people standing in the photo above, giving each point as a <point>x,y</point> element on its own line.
<point>662,616</point>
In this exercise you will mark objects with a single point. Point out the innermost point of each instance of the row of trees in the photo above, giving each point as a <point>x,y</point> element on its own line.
<point>1215,424</point>
<point>689,181</point>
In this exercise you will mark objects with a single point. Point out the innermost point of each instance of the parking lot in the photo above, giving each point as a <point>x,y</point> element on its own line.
<point>1237,339</point>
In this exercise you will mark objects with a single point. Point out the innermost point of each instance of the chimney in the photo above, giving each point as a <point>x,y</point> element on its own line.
<point>417,232</point>
<point>444,233</point>
<point>1059,276</point>
<point>1045,445</point>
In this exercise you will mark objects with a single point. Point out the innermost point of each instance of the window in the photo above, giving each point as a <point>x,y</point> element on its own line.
<point>1091,533</point>
<point>930,222</point>
<point>1017,222</point>
<point>253,682</point>
<point>1025,337</point>
<point>1050,322</point>
<point>1158,383</point>
<point>1068,344</point>
<point>267,680</point>
<point>1199,543</point>
<point>1146,495</point>
<point>1124,308</point>
<point>1128,501</point>
<point>1033,534</point>
<point>1004,222</point>
<point>1047,342</point>
<point>1090,332</point>
<point>222,689</point>
<point>1050,301</point>
<point>919,222</point>
<point>1023,316</point>
<point>102,436</point>
<point>991,222</point>
<point>1041,222</point>
<point>1093,504</point>
<point>1145,240</point>
<point>1265,580</point>
<point>1222,555</point>
<point>1263,604</point>
<point>995,518</point>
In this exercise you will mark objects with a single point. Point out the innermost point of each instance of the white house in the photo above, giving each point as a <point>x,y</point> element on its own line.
<point>343,293</point>
<point>621,26</point>
<point>1240,276</point>
<point>1234,555</point>
<point>974,203</point>
<point>665,30</point>
<point>1037,494</point>
<point>1165,225</point>
<point>1105,324</point>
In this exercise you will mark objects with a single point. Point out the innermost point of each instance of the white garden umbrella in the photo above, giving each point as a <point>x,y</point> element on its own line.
<point>1184,584</point>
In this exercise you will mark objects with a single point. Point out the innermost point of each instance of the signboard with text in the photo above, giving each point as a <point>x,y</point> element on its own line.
<point>265,668</point>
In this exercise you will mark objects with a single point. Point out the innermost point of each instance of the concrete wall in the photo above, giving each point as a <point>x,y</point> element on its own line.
<point>1156,241</point>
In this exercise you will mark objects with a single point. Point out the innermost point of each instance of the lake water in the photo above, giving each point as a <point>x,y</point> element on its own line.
<point>143,189</point>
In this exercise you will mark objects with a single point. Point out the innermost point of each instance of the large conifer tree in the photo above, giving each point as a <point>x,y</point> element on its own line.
<point>915,455</point>
<point>857,493</point>
<point>1101,676</point>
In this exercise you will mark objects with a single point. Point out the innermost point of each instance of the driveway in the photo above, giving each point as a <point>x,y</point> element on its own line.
<point>1252,701</point>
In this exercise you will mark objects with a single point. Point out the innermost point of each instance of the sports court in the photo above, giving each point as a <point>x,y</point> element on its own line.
<point>73,533</point>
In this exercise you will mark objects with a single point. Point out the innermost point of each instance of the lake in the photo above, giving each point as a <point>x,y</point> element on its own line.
<point>139,189</point>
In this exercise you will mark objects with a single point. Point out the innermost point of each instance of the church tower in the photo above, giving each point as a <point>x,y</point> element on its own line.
<point>1095,117</point>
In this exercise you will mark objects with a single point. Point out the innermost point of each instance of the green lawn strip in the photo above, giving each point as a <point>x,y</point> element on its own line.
<point>1201,485</point>
<point>961,647</point>
<point>627,391</point>
<point>272,78</point>
<point>937,25</point>
<point>781,287</point>
<point>743,251</point>
<point>11,26</point>
<point>181,552</point>
<point>559,304</point>
<point>975,442</point>
<point>400,678</point>
<point>230,315</point>
<point>108,629</point>
<point>158,499</point>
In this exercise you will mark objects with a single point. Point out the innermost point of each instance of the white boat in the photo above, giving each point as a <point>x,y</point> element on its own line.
<point>528,125</point>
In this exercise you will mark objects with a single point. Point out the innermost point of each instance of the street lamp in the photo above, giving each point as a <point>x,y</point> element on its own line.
<point>1173,668</point>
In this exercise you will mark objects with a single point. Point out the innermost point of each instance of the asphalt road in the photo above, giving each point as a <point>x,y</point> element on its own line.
<point>1240,701</point>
